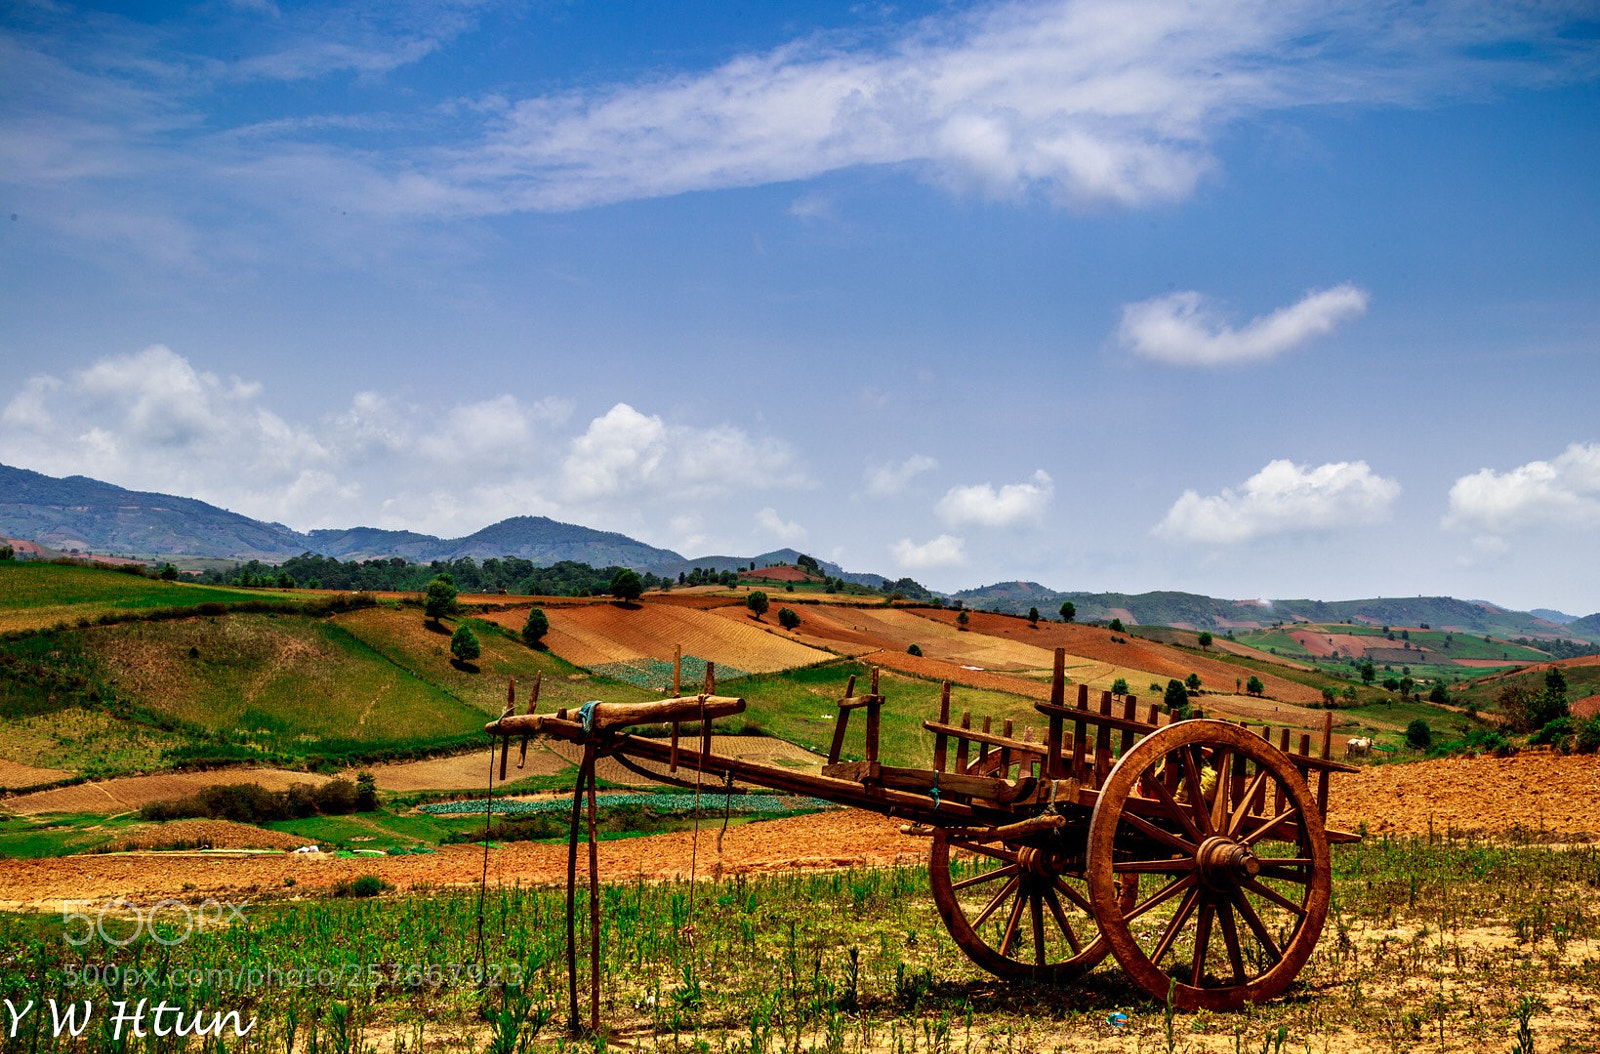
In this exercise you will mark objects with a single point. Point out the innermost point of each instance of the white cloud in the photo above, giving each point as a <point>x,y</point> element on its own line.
<point>152,421</point>
<point>1282,498</point>
<point>1185,329</point>
<point>944,551</point>
<point>626,452</point>
<point>786,531</point>
<point>1008,506</point>
<point>887,480</point>
<point>1563,492</point>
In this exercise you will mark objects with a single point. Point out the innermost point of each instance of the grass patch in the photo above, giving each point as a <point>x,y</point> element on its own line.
<point>370,830</point>
<point>39,594</point>
<point>1431,944</point>
<point>800,706</point>
<point>61,834</point>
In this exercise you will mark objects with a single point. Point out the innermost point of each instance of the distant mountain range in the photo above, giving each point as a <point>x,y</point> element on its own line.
<point>1195,611</point>
<point>91,517</point>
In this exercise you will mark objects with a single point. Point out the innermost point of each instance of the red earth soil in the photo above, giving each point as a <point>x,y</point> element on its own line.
<point>1497,797</point>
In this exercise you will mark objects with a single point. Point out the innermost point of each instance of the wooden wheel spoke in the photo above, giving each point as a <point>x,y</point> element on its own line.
<point>1230,937</point>
<point>1219,804</point>
<point>1176,865</point>
<point>1292,873</point>
<point>1036,906</point>
<point>1285,861</point>
<point>1170,934</point>
<point>978,880</point>
<point>1175,810</point>
<point>1161,896</point>
<point>1008,855</point>
<point>1078,900</point>
<point>1242,813</point>
<point>1166,838</point>
<point>1011,923</point>
<point>1202,937</point>
<point>1197,797</point>
<point>1062,920</point>
<point>999,898</point>
<point>1268,893</point>
<point>1260,832</point>
<point>1251,919</point>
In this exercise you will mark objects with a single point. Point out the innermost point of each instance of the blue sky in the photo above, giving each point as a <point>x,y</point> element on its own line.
<point>1251,299</point>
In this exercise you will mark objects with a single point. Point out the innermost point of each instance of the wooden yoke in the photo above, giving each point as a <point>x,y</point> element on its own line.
<point>610,717</point>
<point>872,701</point>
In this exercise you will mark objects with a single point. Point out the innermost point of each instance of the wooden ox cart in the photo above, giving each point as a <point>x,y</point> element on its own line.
<point>1193,851</point>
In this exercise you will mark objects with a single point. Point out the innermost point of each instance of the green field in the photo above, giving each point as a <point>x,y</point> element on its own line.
<point>62,834</point>
<point>800,706</point>
<point>34,595</point>
<point>1431,945</point>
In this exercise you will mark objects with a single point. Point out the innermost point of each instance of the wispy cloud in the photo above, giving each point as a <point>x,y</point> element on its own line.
<point>944,551</point>
<point>1280,499</point>
<point>887,480</point>
<point>987,506</point>
<point>1084,103</point>
<point>773,525</point>
<point>1563,492</point>
<point>1186,329</point>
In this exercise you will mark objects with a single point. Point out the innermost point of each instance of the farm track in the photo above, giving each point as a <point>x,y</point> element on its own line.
<point>1532,791</point>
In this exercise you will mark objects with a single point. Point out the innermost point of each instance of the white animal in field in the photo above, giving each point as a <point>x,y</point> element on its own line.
<point>1357,748</point>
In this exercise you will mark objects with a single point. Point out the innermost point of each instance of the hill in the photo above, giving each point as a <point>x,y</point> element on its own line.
<point>1197,611</point>
<point>78,513</point>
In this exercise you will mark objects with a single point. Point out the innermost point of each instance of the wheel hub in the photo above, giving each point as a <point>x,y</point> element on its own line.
<point>1225,864</point>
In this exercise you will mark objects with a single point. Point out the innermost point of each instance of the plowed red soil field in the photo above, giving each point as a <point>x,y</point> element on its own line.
<point>132,792</point>
<point>1497,797</point>
<point>1094,642</point>
<point>13,774</point>
<point>602,633</point>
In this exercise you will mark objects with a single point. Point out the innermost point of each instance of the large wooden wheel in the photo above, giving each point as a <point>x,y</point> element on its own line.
<point>1020,911</point>
<point>1234,854</point>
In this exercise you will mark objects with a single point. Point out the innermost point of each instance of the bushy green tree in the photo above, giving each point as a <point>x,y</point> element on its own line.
<point>1033,616</point>
<point>1439,694</point>
<point>168,573</point>
<point>1418,735</point>
<point>962,619</point>
<point>440,598</point>
<point>535,628</point>
<point>914,650</point>
<point>366,792</point>
<point>1176,698</point>
<point>1254,685</point>
<point>1192,682</point>
<point>1205,639</point>
<point>757,602</point>
<point>787,618</point>
<point>1369,672</point>
<point>1069,611</point>
<point>1116,626</point>
<point>464,643</point>
<point>1119,686</point>
<point>626,585</point>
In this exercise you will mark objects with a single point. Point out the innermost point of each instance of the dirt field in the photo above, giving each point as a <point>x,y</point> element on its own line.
<point>13,774</point>
<point>462,771</point>
<point>1532,791</point>
<point>130,793</point>
<point>1153,661</point>
<point>207,834</point>
<point>602,633</point>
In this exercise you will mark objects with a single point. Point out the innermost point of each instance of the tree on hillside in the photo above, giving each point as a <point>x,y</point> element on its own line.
<point>1033,616</point>
<point>1176,698</point>
<point>464,643</point>
<point>7,552</point>
<point>962,618</point>
<point>1119,686</point>
<point>1116,626</point>
<point>1205,639</point>
<point>1069,611</point>
<point>1192,682</point>
<point>1406,684</point>
<point>808,563</point>
<point>168,573</point>
<point>535,628</point>
<point>626,585</point>
<point>1369,672</point>
<point>440,599</point>
<point>914,650</point>
<point>1439,694</point>
<point>1418,735</point>
<point>757,603</point>
<point>1254,685</point>
<point>787,618</point>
